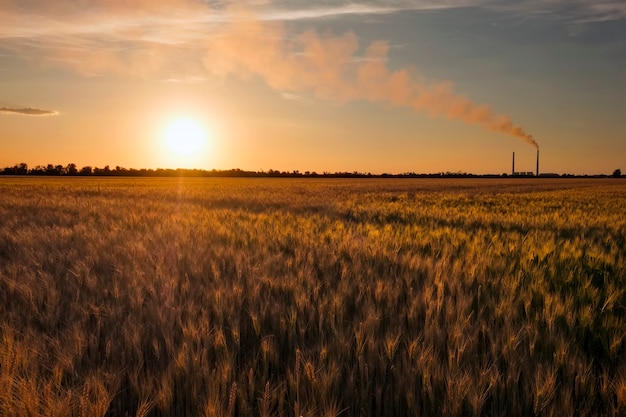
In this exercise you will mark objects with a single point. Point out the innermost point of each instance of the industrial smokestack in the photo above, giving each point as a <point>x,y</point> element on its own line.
<point>513,170</point>
<point>537,161</point>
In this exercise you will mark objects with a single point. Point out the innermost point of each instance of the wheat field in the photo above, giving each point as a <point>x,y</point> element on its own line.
<point>312,297</point>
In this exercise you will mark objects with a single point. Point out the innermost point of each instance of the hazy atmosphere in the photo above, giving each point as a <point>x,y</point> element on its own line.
<point>371,86</point>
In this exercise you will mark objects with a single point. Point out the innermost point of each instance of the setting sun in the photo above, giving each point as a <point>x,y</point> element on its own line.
<point>184,137</point>
<point>185,143</point>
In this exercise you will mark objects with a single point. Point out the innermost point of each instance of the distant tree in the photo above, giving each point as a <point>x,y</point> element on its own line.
<point>617,173</point>
<point>38,170</point>
<point>22,169</point>
<point>71,169</point>
<point>86,170</point>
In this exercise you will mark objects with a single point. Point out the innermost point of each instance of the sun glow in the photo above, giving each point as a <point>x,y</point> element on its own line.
<point>185,143</point>
<point>184,137</point>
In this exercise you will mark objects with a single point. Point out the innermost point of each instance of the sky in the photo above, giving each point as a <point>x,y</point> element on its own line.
<point>318,85</point>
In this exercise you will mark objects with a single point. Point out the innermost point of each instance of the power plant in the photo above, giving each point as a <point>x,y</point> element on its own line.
<point>524,173</point>
<point>513,170</point>
<point>537,161</point>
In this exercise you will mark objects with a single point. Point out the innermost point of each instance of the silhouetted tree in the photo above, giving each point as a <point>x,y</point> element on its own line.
<point>102,171</point>
<point>38,170</point>
<point>71,169</point>
<point>87,170</point>
<point>22,169</point>
<point>120,171</point>
<point>617,173</point>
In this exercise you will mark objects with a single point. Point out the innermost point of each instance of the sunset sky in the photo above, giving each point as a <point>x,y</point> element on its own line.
<point>319,85</point>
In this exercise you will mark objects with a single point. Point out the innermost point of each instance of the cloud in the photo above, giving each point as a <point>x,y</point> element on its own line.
<point>186,80</point>
<point>143,37</point>
<point>27,111</point>
<point>603,12</point>
<point>566,11</point>
<point>320,11</point>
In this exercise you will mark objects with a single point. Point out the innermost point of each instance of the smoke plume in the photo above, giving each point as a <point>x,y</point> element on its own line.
<point>184,39</point>
<point>330,67</point>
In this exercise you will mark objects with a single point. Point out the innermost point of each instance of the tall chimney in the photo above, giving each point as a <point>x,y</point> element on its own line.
<point>537,161</point>
<point>513,171</point>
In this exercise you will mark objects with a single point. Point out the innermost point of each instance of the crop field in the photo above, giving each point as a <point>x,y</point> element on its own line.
<point>312,297</point>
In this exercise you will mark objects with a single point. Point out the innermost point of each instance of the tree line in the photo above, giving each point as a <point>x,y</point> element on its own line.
<point>72,169</point>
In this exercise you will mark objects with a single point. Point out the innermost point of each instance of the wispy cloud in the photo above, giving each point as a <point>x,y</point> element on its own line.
<point>572,11</point>
<point>186,80</point>
<point>335,9</point>
<point>567,11</point>
<point>157,39</point>
<point>117,29</point>
<point>603,12</point>
<point>27,111</point>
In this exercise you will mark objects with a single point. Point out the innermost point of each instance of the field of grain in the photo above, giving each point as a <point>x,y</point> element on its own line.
<point>303,297</point>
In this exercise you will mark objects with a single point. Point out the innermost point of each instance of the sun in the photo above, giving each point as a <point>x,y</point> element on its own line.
<point>184,137</point>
